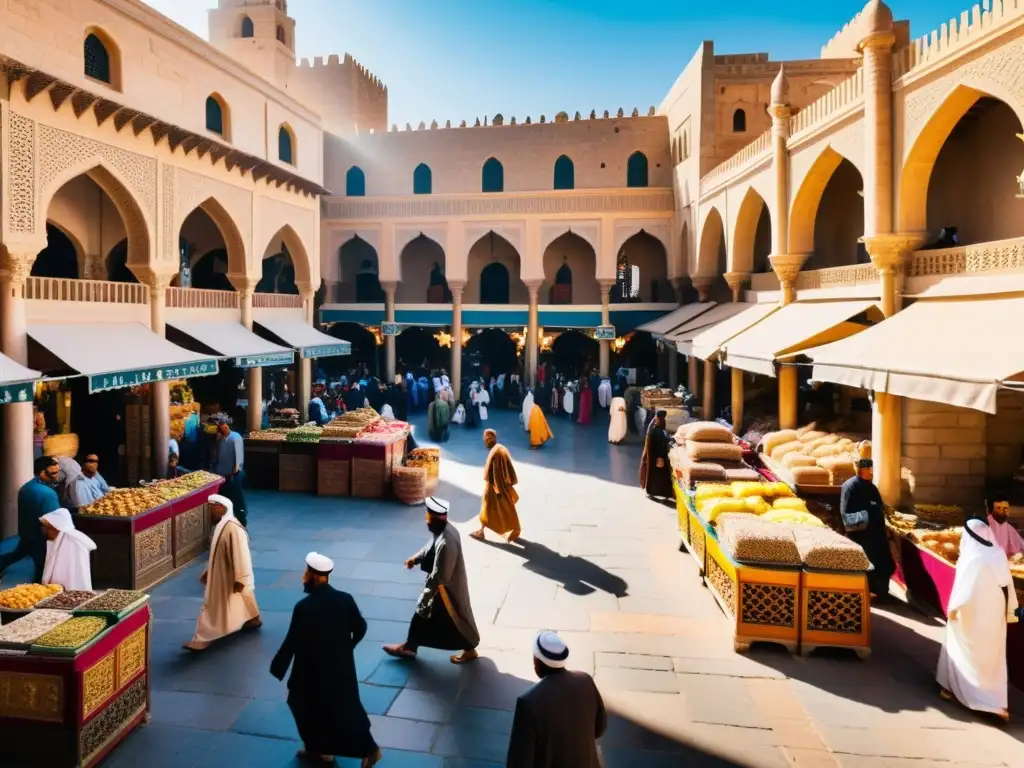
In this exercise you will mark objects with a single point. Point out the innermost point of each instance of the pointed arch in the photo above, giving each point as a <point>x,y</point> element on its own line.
<point>295,248</point>
<point>355,182</point>
<point>101,58</point>
<point>642,269</point>
<point>287,152</point>
<point>218,118</point>
<point>804,210</point>
<point>747,251</point>
<point>492,176</point>
<point>570,271</point>
<point>637,170</point>
<point>493,249</point>
<point>494,284</point>
<point>359,272</point>
<point>711,259</point>
<point>234,243</point>
<point>739,121</point>
<point>421,269</point>
<point>422,180</point>
<point>248,29</point>
<point>565,173</point>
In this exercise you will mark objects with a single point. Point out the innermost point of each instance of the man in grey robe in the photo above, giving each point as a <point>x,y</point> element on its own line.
<point>444,616</point>
<point>558,721</point>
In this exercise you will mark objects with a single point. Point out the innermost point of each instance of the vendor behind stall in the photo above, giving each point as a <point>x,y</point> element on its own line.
<point>863,516</point>
<point>1005,536</point>
<point>88,486</point>
<point>229,463</point>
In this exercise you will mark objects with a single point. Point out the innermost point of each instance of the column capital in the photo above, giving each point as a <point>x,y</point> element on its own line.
<point>158,282</point>
<point>890,252</point>
<point>389,286</point>
<point>787,266</point>
<point>244,284</point>
<point>306,290</point>
<point>457,288</point>
<point>533,286</point>
<point>735,281</point>
<point>703,284</point>
<point>16,266</point>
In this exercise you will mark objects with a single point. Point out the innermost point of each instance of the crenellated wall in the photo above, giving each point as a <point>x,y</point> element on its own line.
<point>349,98</point>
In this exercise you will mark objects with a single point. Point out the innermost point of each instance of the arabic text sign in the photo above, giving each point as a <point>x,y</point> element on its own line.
<point>327,350</point>
<point>605,333</point>
<point>16,393</point>
<point>121,379</point>
<point>271,358</point>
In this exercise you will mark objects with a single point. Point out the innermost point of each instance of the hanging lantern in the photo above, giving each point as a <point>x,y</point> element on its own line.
<point>444,338</point>
<point>546,342</point>
<point>466,336</point>
<point>619,344</point>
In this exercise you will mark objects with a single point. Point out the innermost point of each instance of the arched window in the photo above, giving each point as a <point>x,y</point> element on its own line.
<point>280,35</point>
<point>636,170</point>
<point>355,182</point>
<point>739,121</point>
<point>565,173</point>
<point>285,145</point>
<point>97,60</point>
<point>247,27</point>
<point>422,180</point>
<point>494,287</point>
<point>493,176</point>
<point>214,115</point>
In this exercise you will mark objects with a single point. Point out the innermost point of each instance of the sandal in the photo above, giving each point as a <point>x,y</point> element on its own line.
<point>399,651</point>
<point>465,657</point>
<point>478,535</point>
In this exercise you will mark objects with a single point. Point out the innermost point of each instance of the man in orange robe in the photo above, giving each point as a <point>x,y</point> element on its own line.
<point>498,508</point>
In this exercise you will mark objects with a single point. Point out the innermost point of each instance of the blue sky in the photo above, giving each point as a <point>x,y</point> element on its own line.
<point>462,59</point>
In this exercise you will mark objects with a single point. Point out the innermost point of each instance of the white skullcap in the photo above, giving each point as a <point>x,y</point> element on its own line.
<point>549,650</point>
<point>436,506</point>
<point>224,501</point>
<point>319,563</point>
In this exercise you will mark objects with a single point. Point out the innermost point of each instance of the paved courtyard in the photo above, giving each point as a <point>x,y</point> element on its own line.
<point>600,565</point>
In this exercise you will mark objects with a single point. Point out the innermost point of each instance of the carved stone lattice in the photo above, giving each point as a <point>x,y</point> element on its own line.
<point>152,547</point>
<point>835,611</point>
<point>722,584</point>
<point>21,190</point>
<point>31,696</point>
<point>98,684</point>
<point>169,235</point>
<point>188,527</point>
<point>837,277</point>
<point>1002,255</point>
<point>131,656</point>
<point>768,604</point>
<point>98,732</point>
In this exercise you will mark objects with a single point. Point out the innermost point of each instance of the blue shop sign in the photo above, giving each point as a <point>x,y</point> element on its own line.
<point>327,350</point>
<point>102,382</point>
<point>16,393</point>
<point>271,358</point>
<point>605,333</point>
<point>389,329</point>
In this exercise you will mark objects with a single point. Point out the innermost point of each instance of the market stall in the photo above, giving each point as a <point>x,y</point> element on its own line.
<point>74,678</point>
<point>144,534</point>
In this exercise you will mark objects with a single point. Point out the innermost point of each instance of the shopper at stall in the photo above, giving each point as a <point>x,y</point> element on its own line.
<point>559,720</point>
<point>498,508</point>
<point>586,403</point>
<point>863,516</point>
<point>318,410</point>
<point>538,427</point>
<point>67,552</point>
<point>444,616</point>
<point>972,664</point>
<point>36,498</point>
<point>89,486</point>
<point>174,469</point>
<point>323,689</point>
<point>1004,534</point>
<point>229,463</point>
<point>655,472</point>
<point>230,588</point>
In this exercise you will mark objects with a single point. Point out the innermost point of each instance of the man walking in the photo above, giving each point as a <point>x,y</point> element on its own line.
<point>444,617</point>
<point>498,508</point>
<point>323,689</point>
<point>36,498</point>
<point>557,722</point>
<point>229,463</point>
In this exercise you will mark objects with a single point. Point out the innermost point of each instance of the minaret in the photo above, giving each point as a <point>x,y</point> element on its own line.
<point>257,33</point>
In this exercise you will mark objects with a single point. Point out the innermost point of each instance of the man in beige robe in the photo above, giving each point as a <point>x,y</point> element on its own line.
<point>230,596</point>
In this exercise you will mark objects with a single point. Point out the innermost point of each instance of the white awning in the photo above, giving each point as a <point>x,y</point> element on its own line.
<point>291,327</point>
<point>683,335</point>
<point>676,318</point>
<point>947,351</point>
<point>231,339</point>
<point>705,341</point>
<point>118,355</point>
<point>791,330</point>
<point>16,381</point>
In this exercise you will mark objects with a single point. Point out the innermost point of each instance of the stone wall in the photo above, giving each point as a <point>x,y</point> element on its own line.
<point>944,454</point>
<point>1005,437</point>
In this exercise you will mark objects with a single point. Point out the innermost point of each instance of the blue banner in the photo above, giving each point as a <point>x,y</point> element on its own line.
<point>16,393</point>
<point>102,382</point>
<point>260,361</point>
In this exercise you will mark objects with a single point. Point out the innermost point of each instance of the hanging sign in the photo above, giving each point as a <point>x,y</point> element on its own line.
<point>327,350</point>
<point>271,358</point>
<point>16,393</point>
<point>101,382</point>
<point>605,333</point>
<point>389,329</point>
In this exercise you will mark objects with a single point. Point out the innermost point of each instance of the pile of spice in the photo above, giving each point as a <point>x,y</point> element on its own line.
<point>65,601</point>
<point>27,629</point>
<point>113,600</point>
<point>74,633</point>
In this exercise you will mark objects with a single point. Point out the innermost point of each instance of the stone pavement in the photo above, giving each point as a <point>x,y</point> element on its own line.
<point>600,565</point>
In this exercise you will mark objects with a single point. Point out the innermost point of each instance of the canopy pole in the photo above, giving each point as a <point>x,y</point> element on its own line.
<point>736,281</point>
<point>246,286</point>
<point>159,391</point>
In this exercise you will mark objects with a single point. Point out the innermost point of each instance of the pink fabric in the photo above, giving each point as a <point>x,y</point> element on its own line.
<point>1006,536</point>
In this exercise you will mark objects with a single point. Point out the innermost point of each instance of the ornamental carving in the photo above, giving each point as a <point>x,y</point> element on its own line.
<point>32,696</point>
<point>22,187</point>
<point>169,234</point>
<point>189,528</point>
<point>487,205</point>
<point>723,585</point>
<point>768,604</point>
<point>588,230</point>
<point>152,547</point>
<point>98,684</point>
<point>835,611</point>
<point>111,722</point>
<point>1000,255</point>
<point>193,189</point>
<point>837,277</point>
<point>131,656</point>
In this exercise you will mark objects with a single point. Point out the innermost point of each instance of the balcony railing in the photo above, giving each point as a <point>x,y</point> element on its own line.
<point>201,298</point>
<point>837,277</point>
<point>994,256</point>
<point>97,291</point>
<point>276,301</point>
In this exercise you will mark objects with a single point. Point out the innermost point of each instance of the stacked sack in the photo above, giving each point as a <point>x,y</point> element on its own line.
<point>707,451</point>
<point>814,457</point>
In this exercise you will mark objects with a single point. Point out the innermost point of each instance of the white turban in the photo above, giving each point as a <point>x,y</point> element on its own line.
<point>224,501</point>
<point>436,506</point>
<point>549,650</point>
<point>319,563</point>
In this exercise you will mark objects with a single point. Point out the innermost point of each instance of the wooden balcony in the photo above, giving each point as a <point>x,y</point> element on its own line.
<point>276,301</point>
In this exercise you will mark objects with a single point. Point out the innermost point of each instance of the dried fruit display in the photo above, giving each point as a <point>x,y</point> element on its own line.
<point>25,596</point>
<point>827,550</point>
<point>268,435</point>
<point>65,601</point>
<point>112,600</point>
<point>184,485</point>
<point>748,539</point>
<point>71,634</point>
<point>310,433</point>
<point>125,502</point>
<point>28,629</point>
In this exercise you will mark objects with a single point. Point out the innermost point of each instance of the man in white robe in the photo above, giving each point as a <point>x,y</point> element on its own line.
<point>527,409</point>
<point>230,595</point>
<point>67,552</point>
<point>617,422</point>
<point>972,664</point>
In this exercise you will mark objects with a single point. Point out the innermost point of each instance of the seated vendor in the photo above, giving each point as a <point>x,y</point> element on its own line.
<point>1003,533</point>
<point>88,486</point>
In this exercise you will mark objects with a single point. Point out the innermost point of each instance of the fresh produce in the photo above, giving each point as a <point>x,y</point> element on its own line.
<point>310,433</point>
<point>24,596</point>
<point>29,628</point>
<point>827,550</point>
<point>65,601</point>
<point>125,502</point>
<point>71,634</point>
<point>748,539</point>
<point>113,600</point>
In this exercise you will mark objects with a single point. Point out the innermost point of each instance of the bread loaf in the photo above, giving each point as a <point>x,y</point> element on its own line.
<point>706,432</point>
<point>702,451</point>
<point>773,440</point>
<point>795,459</point>
<point>810,476</point>
<point>782,450</point>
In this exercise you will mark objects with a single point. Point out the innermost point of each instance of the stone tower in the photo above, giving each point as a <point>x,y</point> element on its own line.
<point>259,34</point>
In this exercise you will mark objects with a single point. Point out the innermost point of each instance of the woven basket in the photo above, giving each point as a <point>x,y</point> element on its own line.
<point>429,459</point>
<point>334,477</point>
<point>369,478</point>
<point>297,473</point>
<point>61,445</point>
<point>409,484</point>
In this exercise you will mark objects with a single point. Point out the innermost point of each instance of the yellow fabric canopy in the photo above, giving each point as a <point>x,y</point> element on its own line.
<point>791,330</point>
<point>947,351</point>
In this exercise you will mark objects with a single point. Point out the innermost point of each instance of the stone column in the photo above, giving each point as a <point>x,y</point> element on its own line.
<point>160,394</point>
<point>246,286</point>
<point>877,50</point>
<point>703,285</point>
<point>679,286</point>
<point>709,390</point>
<point>736,281</point>
<point>604,361</point>
<point>456,364</point>
<point>305,366</point>
<point>787,267</point>
<point>780,112</point>
<point>693,376</point>
<point>16,461</point>
<point>390,287</point>
<point>532,351</point>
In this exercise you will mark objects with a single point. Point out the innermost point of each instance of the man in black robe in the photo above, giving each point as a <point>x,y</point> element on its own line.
<point>323,689</point>
<point>860,494</point>
<point>655,472</point>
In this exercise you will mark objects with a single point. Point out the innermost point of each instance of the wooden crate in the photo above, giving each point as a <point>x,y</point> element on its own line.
<point>262,464</point>
<point>369,478</point>
<point>297,468</point>
<point>334,477</point>
<point>835,611</point>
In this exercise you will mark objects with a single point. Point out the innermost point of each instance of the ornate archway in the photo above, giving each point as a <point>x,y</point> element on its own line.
<point>752,237</point>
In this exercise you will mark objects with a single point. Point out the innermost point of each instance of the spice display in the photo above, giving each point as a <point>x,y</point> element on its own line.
<point>113,600</point>
<point>945,514</point>
<point>268,435</point>
<point>125,502</point>
<point>31,627</point>
<point>71,634</point>
<point>751,540</point>
<point>169,490</point>
<point>309,433</point>
<point>65,601</point>
<point>24,596</point>
<point>827,550</point>
<point>944,543</point>
<point>423,456</point>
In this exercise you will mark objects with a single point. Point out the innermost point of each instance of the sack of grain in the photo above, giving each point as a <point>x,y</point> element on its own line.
<point>711,491</point>
<point>748,539</point>
<point>782,450</point>
<point>700,451</point>
<point>810,476</point>
<point>839,468</point>
<point>706,432</point>
<point>812,435</point>
<point>741,474</point>
<point>795,459</point>
<point>834,449</point>
<point>773,440</point>
<point>702,471</point>
<point>812,427</point>
<point>827,550</point>
<point>790,503</point>
<point>710,509</point>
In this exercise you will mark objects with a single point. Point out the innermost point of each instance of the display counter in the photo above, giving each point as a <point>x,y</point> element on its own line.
<point>835,611</point>
<point>65,711</point>
<point>139,551</point>
<point>696,533</point>
<point>262,466</point>
<point>682,515</point>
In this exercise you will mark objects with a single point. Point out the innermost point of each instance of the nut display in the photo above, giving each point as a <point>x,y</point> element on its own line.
<point>945,514</point>
<point>24,596</point>
<point>71,634</point>
<point>65,601</point>
<point>748,539</point>
<point>113,600</point>
<point>28,629</point>
<point>184,485</point>
<point>827,550</point>
<point>310,433</point>
<point>125,502</point>
<point>268,435</point>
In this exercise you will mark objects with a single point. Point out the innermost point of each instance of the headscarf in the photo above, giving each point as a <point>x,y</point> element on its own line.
<point>61,520</point>
<point>67,556</point>
<point>978,554</point>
